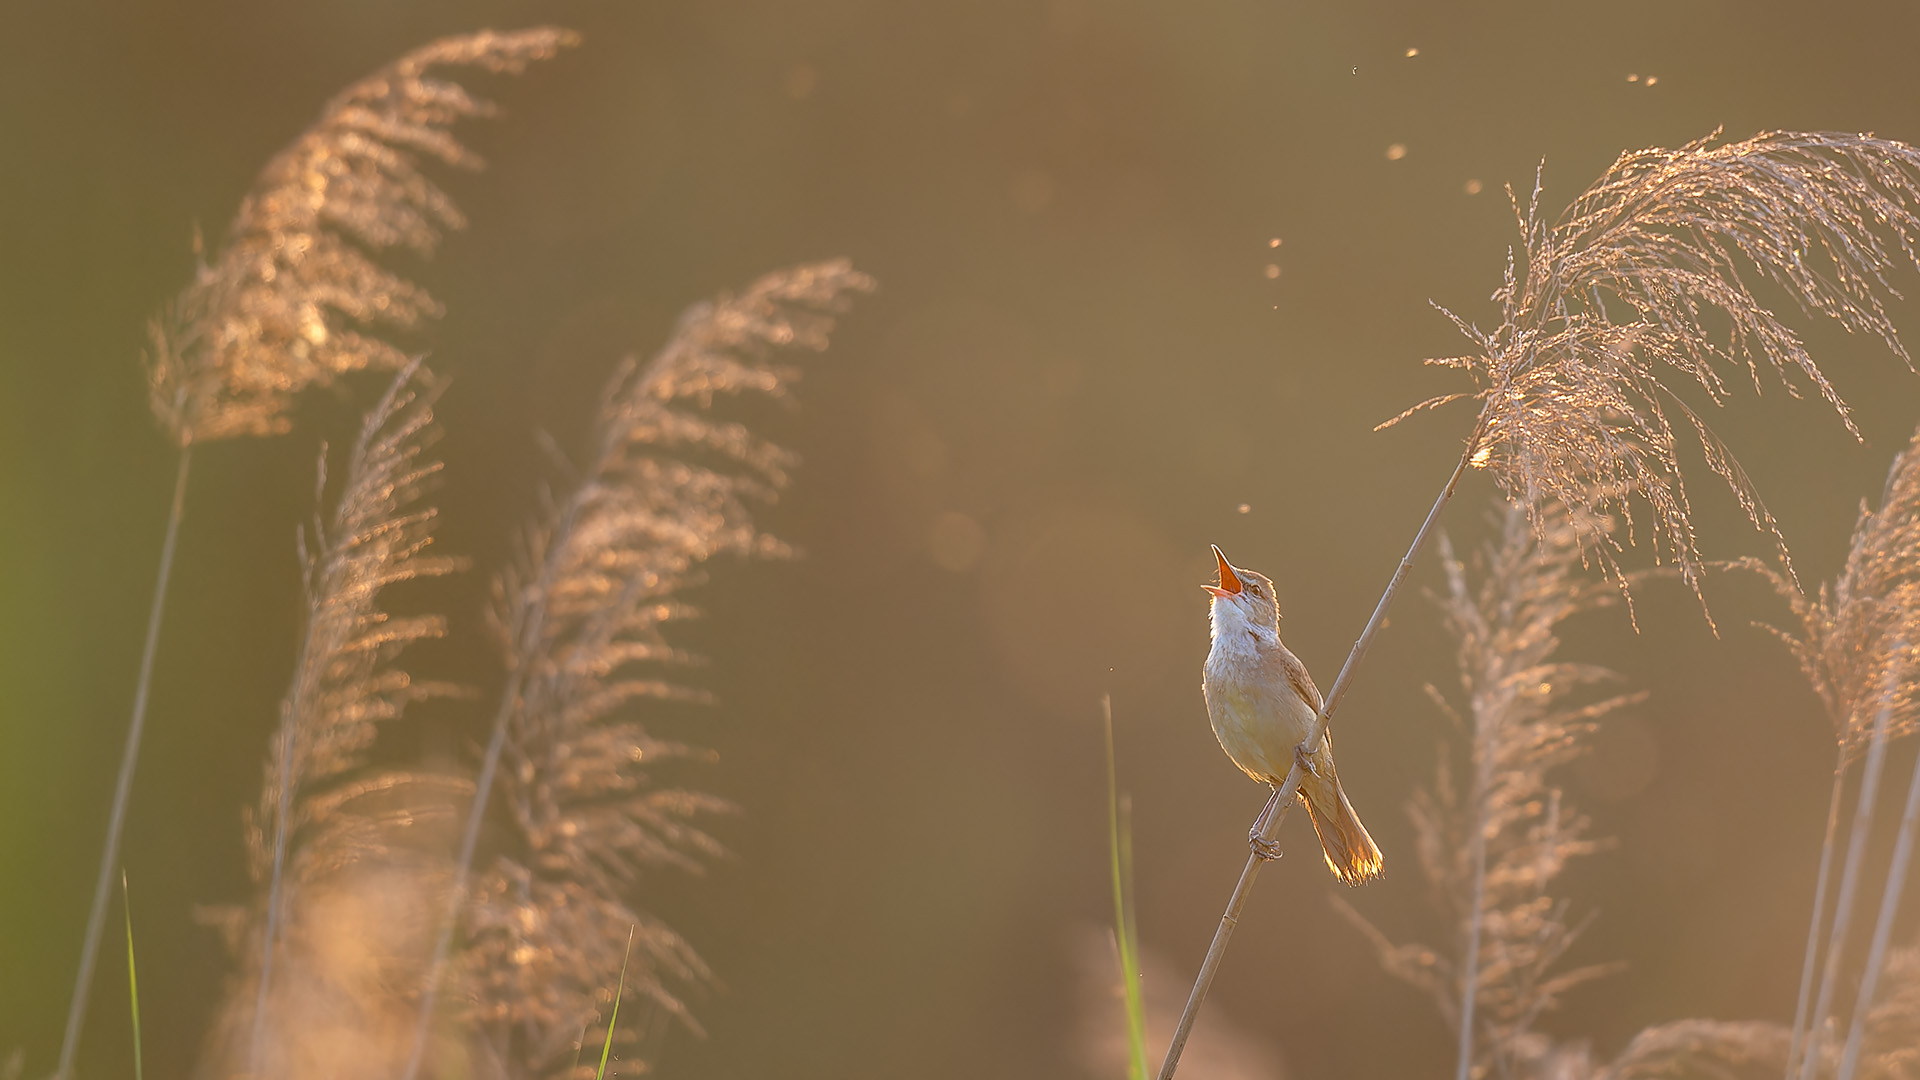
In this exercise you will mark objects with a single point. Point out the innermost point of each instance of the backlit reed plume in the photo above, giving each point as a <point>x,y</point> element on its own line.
<point>294,299</point>
<point>1491,853</point>
<point>1857,643</point>
<point>1644,285</point>
<point>339,919</point>
<point>1890,1049</point>
<point>591,794</point>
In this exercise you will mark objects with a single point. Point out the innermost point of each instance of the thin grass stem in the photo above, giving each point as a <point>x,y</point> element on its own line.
<point>1290,787</point>
<point>613,1021</point>
<point>1119,862</point>
<point>133,983</point>
<point>1849,880</point>
<point>1883,926</point>
<point>1809,962</point>
<point>123,787</point>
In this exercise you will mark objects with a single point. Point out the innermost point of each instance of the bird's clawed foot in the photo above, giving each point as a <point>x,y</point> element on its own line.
<point>1263,847</point>
<point>1301,758</point>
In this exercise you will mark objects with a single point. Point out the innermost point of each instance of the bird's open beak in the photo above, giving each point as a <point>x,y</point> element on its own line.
<point>1229,581</point>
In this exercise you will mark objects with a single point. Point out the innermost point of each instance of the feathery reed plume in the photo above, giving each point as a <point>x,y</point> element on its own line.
<point>326,826</point>
<point>1695,1048</point>
<point>1649,276</point>
<point>1572,406</point>
<point>293,300</point>
<point>583,621</point>
<point>343,683</point>
<point>1856,645</point>
<point>1490,855</point>
<point>1892,1035</point>
<point>1852,640</point>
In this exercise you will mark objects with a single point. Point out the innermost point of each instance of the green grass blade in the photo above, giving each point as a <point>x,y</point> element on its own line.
<point>133,984</point>
<point>618,993</point>
<point>1120,862</point>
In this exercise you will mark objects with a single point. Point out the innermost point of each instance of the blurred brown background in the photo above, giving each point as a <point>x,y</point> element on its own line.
<point>1086,356</point>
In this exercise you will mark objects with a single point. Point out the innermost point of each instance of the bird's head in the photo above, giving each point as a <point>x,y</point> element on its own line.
<point>1244,596</point>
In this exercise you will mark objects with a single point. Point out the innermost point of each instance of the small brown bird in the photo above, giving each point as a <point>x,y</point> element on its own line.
<point>1262,703</point>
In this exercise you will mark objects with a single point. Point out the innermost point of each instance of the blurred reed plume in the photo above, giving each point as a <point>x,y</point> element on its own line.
<point>293,300</point>
<point>1491,854</point>
<point>1646,283</point>
<point>1892,1022</point>
<point>1651,273</point>
<point>588,796</point>
<point>1857,643</point>
<point>343,857</point>
<point>1852,639</point>
<point>1221,1050</point>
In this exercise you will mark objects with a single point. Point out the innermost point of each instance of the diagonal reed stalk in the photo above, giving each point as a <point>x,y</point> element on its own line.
<point>1883,927</point>
<point>1843,903</point>
<point>1807,963</point>
<point>123,787</point>
<point>483,784</point>
<point>1289,788</point>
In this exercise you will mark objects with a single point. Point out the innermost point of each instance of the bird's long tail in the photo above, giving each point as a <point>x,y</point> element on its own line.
<point>1351,853</point>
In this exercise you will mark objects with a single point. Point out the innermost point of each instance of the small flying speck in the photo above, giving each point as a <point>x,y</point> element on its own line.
<point>1411,53</point>
<point>1396,151</point>
<point>1273,271</point>
<point>1651,79</point>
<point>1245,509</point>
<point>1356,71</point>
<point>1473,187</point>
<point>1275,242</point>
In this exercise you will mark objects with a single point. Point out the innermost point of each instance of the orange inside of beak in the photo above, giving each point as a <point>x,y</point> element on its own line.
<point>1229,581</point>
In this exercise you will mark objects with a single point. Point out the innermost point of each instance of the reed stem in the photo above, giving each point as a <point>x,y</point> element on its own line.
<point>1808,963</point>
<point>1883,926</point>
<point>123,787</point>
<point>1290,787</point>
<point>1849,880</point>
<point>532,627</point>
<point>1470,962</point>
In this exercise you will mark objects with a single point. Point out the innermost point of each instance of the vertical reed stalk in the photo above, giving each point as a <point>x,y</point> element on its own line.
<point>1807,964</point>
<point>1849,879</point>
<point>1290,788</point>
<point>1883,927</point>
<point>1470,968</point>
<point>123,787</point>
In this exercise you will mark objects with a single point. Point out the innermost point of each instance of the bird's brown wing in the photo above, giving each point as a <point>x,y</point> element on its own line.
<point>1298,678</point>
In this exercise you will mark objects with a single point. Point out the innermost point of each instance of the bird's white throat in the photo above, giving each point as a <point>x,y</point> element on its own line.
<point>1234,632</point>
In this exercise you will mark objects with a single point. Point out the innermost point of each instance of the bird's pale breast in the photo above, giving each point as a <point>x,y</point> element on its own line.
<point>1257,715</point>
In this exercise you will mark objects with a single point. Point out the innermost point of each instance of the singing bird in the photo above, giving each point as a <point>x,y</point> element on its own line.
<point>1262,702</point>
